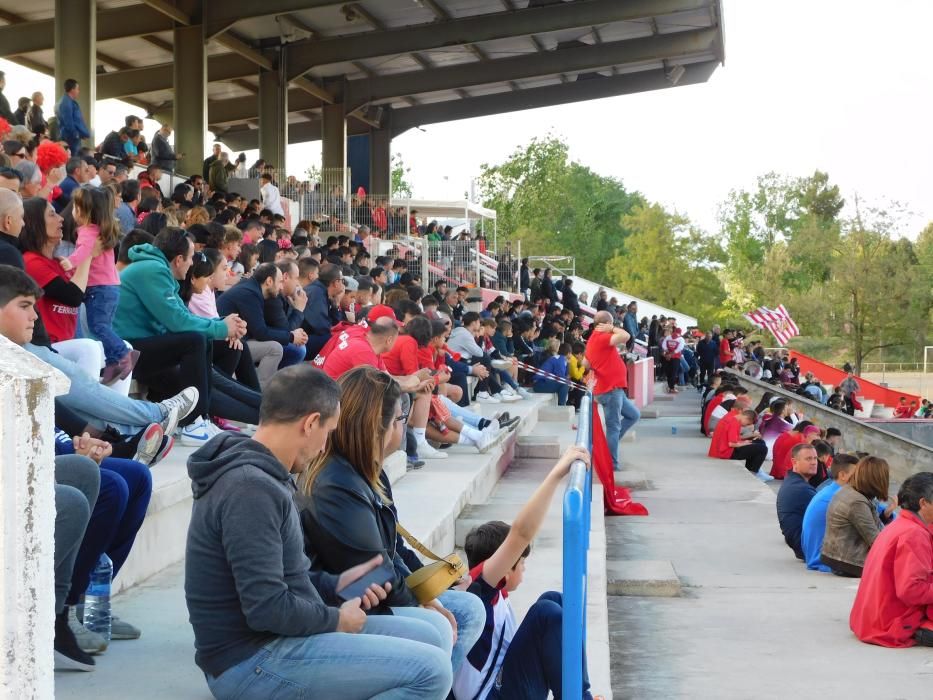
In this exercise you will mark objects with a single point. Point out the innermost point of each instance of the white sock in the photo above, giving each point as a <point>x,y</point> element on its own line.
<point>464,439</point>
<point>419,434</point>
<point>472,433</point>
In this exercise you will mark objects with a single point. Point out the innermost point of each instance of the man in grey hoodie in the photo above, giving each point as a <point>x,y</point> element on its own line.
<point>265,624</point>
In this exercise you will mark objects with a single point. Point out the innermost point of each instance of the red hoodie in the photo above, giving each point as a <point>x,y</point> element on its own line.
<point>895,595</point>
<point>780,453</point>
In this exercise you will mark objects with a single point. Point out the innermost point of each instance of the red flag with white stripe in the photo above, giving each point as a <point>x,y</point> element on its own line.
<point>777,321</point>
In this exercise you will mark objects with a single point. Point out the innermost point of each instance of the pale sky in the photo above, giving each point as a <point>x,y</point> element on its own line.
<point>844,87</point>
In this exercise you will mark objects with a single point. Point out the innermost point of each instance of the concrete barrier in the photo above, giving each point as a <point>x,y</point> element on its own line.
<point>904,456</point>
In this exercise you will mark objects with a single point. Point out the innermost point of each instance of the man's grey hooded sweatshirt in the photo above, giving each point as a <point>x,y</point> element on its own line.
<point>247,579</point>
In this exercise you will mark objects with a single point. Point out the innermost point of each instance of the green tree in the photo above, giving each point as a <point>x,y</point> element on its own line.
<point>557,207</point>
<point>401,187</point>
<point>668,262</point>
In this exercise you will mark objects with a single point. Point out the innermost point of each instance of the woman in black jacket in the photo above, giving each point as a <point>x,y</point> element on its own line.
<point>347,515</point>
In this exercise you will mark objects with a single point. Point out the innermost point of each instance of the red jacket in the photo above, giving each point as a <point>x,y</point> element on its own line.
<point>402,359</point>
<point>727,430</point>
<point>780,453</point>
<point>725,351</point>
<point>895,595</point>
<point>708,413</point>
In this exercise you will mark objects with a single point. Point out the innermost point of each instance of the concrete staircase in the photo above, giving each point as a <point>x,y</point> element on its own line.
<point>149,590</point>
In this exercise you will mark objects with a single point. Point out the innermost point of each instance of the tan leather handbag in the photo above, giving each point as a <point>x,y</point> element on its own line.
<point>431,580</point>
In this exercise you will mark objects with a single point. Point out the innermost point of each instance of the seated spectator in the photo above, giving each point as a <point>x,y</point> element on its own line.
<point>321,313</point>
<point>903,409</point>
<point>824,456</point>
<point>555,363</point>
<point>804,431</point>
<point>776,422</point>
<point>463,341</point>
<point>77,483</point>
<point>814,519</point>
<point>728,443</point>
<point>833,437</point>
<point>852,519</point>
<point>266,343</point>
<point>255,601</point>
<point>117,515</point>
<point>175,344</point>
<point>506,369</point>
<point>343,503</point>
<point>795,495</point>
<point>894,603</point>
<point>92,402</point>
<point>512,660</point>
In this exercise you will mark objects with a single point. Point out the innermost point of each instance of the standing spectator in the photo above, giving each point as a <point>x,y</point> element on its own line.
<point>569,298</point>
<point>602,352</point>
<point>219,172</point>
<point>71,125</point>
<point>524,279</point>
<point>630,322</point>
<point>35,120</point>
<point>162,153</point>
<point>726,354</point>
<point>5,111</point>
<point>271,199</point>
<point>19,116</point>
<point>209,161</point>
<point>672,349</point>
<point>707,355</point>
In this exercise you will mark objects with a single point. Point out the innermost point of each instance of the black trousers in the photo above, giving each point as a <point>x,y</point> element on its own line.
<point>754,455</point>
<point>670,371</point>
<point>174,361</point>
<point>236,363</point>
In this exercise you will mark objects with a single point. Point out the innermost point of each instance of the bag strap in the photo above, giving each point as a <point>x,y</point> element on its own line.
<point>415,543</point>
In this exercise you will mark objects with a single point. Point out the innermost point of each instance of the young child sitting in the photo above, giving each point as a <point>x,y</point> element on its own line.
<point>556,364</point>
<point>511,660</point>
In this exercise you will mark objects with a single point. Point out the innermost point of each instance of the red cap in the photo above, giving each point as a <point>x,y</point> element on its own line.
<point>382,311</point>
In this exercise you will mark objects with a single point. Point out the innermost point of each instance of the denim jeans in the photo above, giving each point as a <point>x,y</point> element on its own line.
<point>77,483</point>
<point>292,354</point>
<point>100,302</point>
<point>345,666</point>
<point>470,613</point>
<point>549,386</point>
<point>506,378</point>
<point>532,665</point>
<point>94,402</point>
<point>125,490</point>
<point>445,633</point>
<point>232,400</point>
<point>464,415</point>
<point>621,414</point>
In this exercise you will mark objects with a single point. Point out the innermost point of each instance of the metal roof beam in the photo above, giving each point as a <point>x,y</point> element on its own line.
<point>302,132</point>
<point>577,59</point>
<point>228,66</point>
<point>133,20</point>
<point>220,16</point>
<point>304,55</point>
<point>240,109</point>
<point>169,10</point>
<point>407,118</point>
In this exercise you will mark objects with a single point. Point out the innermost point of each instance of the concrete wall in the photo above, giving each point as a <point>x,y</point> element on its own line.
<point>904,455</point>
<point>915,429</point>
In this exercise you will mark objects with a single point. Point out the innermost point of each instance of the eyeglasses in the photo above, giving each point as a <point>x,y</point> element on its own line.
<point>200,257</point>
<point>401,418</point>
<point>21,154</point>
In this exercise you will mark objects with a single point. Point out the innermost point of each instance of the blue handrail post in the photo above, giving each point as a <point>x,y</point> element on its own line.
<point>576,516</point>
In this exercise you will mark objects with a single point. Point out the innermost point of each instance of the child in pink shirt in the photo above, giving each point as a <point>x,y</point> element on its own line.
<point>93,213</point>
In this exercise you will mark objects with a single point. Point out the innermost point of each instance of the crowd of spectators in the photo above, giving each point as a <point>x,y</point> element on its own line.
<point>217,312</point>
<point>834,509</point>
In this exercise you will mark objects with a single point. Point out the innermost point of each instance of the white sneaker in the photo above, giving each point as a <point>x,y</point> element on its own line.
<point>484,397</point>
<point>177,408</point>
<point>507,390</point>
<point>763,477</point>
<point>508,398</point>
<point>486,439</point>
<point>89,642</point>
<point>425,451</point>
<point>493,426</point>
<point>197,433</point>
<point>524,393</point>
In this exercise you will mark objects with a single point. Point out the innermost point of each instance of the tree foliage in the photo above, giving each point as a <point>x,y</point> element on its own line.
<point>784,241</point>
<point>401,187</point>
<point>556,206</point>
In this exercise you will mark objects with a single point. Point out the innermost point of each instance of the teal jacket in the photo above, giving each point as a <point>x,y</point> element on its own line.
<point>149,302</point>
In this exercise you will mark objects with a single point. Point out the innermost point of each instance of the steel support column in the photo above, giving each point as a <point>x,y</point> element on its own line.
<point>190,106</point>
<point>380,161</point>
<point>334,136</point>
<point>76,53</point>
<point>273,113</point>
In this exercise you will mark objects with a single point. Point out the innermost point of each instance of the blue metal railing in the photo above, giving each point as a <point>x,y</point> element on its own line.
<point>577,500</point>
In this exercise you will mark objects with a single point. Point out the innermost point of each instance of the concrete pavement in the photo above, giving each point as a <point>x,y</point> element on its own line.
<point>751,621</point>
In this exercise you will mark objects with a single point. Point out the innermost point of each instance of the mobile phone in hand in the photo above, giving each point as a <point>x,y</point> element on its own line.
<point>382,574</point>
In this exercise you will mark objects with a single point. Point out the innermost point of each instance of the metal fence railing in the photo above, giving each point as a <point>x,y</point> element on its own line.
<point>577,499</point>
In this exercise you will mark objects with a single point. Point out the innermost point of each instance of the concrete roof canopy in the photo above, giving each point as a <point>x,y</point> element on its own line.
<point>395,63</point>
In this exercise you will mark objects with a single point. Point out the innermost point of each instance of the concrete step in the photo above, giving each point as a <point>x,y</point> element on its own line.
<point>649,412</point>
<point>654,578</point>
<point>556,414</point>
<point>537,447</point>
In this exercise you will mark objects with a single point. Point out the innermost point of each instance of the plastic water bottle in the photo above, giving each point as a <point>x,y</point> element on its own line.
<point>97,598</point>
<point>673,430</point>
